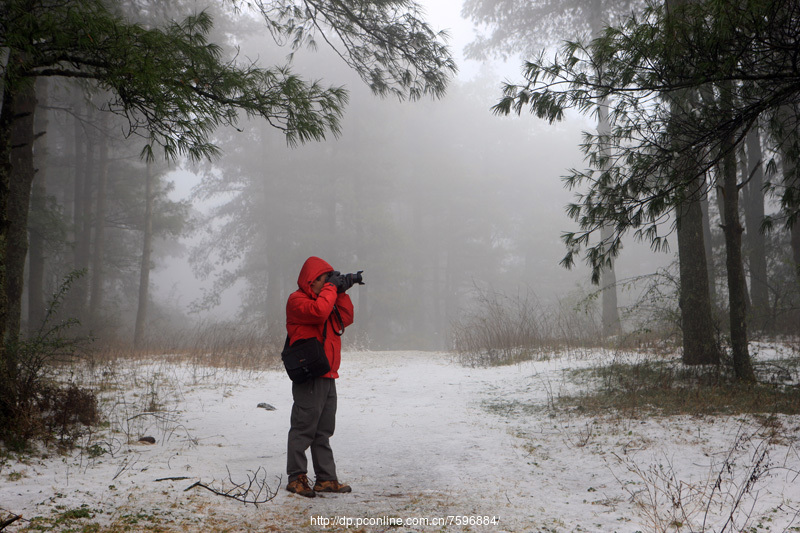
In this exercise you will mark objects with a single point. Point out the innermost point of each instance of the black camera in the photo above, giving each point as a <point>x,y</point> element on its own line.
<point>357,278</point>
<point>345,281</point>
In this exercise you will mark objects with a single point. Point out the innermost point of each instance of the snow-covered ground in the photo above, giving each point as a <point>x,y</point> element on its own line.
<point>424,442</point>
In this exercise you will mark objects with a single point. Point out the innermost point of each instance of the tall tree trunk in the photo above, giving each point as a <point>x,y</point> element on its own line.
<point>697,322</point>
<point>359,205</point>
<point>84,245</point>
<point>743,173</point>
<point>704,206</point>
<point>8,364</point>
<point>144,272</point>
<point>452,288</point>
<point>79,156</point>
<point>697,318</point>
<point>707,97</point>
<point>8,360</point>
<point>791,179</point>
<point>275,304</point>
<point>36,230</point>
<point>754,217</point>
<point>608,282</point>
<point>608,277</point>
<point>440,303</point>
<point>18,204</point>
<point>795,240</point>
<point>737,288</point>
<point>275,309</point>
<point>790,153</point>
<point>81,215</point>
<point>272,216</point>
<point>98,256</point>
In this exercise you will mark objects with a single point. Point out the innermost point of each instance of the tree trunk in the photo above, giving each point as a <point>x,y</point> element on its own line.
<point>697,322</point>
<point>437,322</point>
<point>791,181</point>
<point>8,364</point>
<point>754,217</point>
<point>275,304</point>
<point>36,230</point>
<point>704,206</point>
<point>81,216</point>
<point>743,165</point>
<point>98,257</point>
<point>79,145</point>
<point>84,245</point>
<point>144,272</point>
<point>699,344</point>
<point>18,204</point>
<point>737,288</point>
<point>362,322</point>
<point>795,239</point>
<point>608,282</point>
<point>275,308</point>
<point>608,277</point>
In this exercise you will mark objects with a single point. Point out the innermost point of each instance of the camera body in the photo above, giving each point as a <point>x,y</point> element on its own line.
<point>345,281</point>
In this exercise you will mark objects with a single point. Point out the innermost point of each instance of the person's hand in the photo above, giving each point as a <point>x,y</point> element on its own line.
<point>337,280</point>
<point>348,281</point>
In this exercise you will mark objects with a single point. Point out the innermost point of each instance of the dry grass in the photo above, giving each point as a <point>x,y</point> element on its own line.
<point>665,388</point>
<point>67,396</point>
<point>501,329</point>
<point>231,346</point>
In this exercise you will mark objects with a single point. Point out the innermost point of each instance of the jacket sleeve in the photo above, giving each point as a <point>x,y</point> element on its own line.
<point>300,309</point>
<point>345,306</point>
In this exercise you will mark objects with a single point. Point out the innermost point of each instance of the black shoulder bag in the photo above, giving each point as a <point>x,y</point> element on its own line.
<point>305,359</point>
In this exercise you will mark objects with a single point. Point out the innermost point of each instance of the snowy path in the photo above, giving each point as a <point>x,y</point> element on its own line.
<point>419,438</point>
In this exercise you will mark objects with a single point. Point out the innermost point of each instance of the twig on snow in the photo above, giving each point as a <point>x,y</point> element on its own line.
<point>255,490</point>
<point>10,519</point>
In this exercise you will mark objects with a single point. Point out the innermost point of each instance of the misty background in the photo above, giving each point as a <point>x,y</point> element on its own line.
<point>435,200</point>
<point>430,198</point>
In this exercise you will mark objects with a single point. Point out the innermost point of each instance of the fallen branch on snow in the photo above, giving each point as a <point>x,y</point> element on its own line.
<point>10,519</point>
<point>255,490</point>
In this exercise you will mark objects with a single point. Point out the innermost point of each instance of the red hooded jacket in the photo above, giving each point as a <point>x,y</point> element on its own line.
<point>307,313</point>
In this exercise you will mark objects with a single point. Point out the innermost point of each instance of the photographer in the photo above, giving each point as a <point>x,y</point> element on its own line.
<point>319,308</point>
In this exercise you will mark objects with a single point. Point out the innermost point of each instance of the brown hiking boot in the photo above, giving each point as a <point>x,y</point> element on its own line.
<point>331,486</point>
<point>300,486</point>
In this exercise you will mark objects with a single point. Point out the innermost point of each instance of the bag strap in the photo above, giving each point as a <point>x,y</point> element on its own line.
<point>340,331</point>
<point>325,328</point>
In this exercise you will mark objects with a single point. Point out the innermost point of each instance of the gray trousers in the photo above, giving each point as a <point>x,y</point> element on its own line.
<point>313,422</point>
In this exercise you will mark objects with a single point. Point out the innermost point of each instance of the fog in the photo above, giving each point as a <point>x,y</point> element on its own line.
<point>431,199</point>
<point>436,200</point>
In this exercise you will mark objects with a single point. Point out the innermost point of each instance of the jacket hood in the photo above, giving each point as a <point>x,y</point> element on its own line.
<point>313,268</point>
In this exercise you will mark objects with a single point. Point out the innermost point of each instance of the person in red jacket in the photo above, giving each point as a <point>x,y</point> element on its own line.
<point>319,308</point>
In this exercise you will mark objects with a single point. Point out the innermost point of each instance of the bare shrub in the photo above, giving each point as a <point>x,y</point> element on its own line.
<point>501,329</point>
<point>654,306</point>
<point>721,500</point>
<point>65,409</point>
<point>33,404</point>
